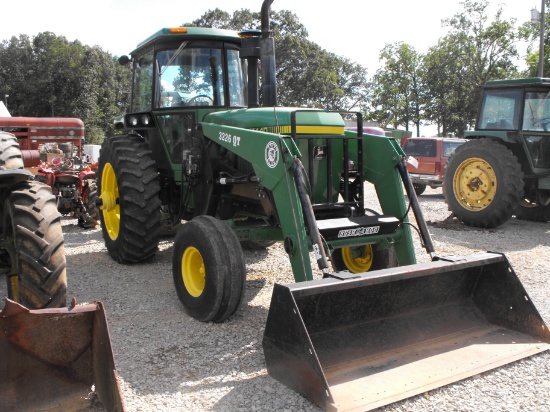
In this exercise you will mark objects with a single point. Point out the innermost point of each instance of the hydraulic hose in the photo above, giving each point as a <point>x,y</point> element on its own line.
<point>309,216</point>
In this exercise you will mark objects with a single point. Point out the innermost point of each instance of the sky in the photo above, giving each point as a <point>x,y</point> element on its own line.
<point>357,30</point>
<point>353,29</point>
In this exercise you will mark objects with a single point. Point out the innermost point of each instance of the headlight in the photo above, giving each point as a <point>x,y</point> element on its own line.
<point>145,120</point>
<point>139,121</point>
<point>133,121</point>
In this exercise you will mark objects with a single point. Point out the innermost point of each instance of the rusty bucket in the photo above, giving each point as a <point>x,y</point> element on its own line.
<point>52,358</point>
<point>358,342</point>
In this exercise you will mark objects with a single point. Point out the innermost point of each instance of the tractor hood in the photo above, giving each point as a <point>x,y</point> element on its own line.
<point>279,120</point>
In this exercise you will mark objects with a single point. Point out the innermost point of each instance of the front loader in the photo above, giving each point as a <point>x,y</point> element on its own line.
<point>206,153</point>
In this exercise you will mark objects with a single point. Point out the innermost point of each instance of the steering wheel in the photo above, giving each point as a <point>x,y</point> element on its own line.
<point>200,96</point>
<point>62,162</point>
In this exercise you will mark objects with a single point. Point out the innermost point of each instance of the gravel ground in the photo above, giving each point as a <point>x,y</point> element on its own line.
<point>170,362</point>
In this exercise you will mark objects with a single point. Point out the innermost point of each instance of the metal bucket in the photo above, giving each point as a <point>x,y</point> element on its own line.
<point>50,358</point>
<point>363,341</point>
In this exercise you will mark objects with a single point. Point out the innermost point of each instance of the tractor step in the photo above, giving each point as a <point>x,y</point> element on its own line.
<point>361,226</point>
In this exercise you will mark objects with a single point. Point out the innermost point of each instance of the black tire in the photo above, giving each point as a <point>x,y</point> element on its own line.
<point>208,269</point>
<point>371,258</point>
<point>129,191</point>
<point>35,252</point>
<point>533,212</point>
<point>483,183</point>
<point>10,152</point>
<point>419,189</point>
<point>89,197</point>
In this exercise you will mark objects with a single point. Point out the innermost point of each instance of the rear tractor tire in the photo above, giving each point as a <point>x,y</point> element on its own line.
<point>130,202</point>
<point>208,268</point>
<point>483,183</point>
<point>359,259</point>
<point>35,254</point>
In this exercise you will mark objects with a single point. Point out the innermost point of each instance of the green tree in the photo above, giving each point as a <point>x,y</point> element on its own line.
<point>307,75</point>
<point>48,76</point>
<point>399,86</point>
<point>474,51</point>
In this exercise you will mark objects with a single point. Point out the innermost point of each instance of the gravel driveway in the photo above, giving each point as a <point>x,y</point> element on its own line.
<point>169,362</point>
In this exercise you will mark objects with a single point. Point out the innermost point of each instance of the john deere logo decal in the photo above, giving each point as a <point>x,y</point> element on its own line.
<point>271,154</point>
<point>319,152</point>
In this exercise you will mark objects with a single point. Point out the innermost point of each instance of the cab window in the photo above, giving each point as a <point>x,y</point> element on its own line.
<point>143,83</point>
<point>500,110</point>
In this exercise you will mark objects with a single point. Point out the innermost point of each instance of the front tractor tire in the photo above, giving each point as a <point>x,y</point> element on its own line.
<point>359,259</point>
<point>483,183</point>
<point>33,254</point>
<point>208,268</point>
<point>130,203</point>
<point>533,212</point>
<point>89,197</point>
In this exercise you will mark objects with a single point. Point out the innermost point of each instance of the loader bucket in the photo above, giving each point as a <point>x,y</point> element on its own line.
<point>359,342</point>
<point>50,358</point>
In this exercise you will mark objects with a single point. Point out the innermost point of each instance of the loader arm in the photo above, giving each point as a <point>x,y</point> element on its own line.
<point>382,156</point>
<point>271,156</point>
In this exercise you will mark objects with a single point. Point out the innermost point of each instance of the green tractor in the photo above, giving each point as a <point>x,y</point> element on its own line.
<point>199,154</point>
<point>505,167</point>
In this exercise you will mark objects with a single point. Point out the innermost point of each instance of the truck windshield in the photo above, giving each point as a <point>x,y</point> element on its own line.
<point>536,115</point>
<point>500,110</point>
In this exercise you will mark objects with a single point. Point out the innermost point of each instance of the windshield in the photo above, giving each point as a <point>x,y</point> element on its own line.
<point>190,77</point>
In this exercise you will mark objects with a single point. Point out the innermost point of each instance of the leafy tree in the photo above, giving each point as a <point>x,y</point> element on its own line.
<point>474,51</point>
<point>48,76</point>
<point>398,86</point>
<point>307,75</point>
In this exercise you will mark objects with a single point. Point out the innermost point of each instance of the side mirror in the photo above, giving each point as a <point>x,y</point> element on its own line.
<point>124,60</point>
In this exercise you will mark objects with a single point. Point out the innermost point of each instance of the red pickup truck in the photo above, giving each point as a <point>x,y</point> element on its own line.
<point>426,159</point>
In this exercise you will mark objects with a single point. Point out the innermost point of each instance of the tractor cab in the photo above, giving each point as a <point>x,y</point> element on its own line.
<point>513,120</point>
<point>515,111</point>
<point>178,69</point>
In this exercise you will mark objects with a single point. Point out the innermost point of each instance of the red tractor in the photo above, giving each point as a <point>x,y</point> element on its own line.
<point>52,151</point>
<point>74,186</point>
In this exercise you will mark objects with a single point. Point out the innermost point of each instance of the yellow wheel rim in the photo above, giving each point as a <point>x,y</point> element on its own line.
<point>358,259</point>
<point>475,184</point>
<point>109,195</point>
<point>193,271</point>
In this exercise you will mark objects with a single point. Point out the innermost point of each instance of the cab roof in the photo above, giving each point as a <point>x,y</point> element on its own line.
<point>531,81</point>
<point>189,33</point>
